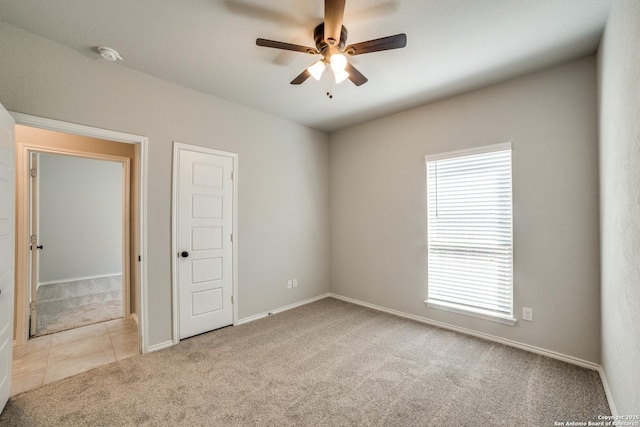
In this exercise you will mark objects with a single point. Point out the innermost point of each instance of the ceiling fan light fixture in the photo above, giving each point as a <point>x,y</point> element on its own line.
<point>340,76</point>
<point>316,69</point>
<point>338,62</point>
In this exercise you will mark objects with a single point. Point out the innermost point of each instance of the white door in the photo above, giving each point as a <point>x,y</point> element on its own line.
<point>204,221</point>
<point>7,198</point>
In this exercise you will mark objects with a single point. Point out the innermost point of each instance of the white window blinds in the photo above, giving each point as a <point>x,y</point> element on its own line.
<point>470,261</point>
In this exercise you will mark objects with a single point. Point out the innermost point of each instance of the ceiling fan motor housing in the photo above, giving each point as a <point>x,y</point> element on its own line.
<point>321,43</point>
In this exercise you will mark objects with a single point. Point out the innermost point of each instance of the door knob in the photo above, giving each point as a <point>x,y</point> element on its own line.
<point>40,247</point>
<point>184,254</point>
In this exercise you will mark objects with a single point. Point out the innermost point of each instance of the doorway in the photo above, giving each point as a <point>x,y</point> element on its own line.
<point>78,140</point>
<point>79,271</point>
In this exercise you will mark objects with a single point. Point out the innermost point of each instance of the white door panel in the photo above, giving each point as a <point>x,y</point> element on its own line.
<point>204,227</point>
<point>7,245</point>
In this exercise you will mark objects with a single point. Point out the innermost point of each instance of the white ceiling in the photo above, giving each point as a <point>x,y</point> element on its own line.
<point>209,45</point>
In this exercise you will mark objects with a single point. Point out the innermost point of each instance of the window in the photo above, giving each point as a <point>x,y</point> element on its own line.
<point>469,225</point>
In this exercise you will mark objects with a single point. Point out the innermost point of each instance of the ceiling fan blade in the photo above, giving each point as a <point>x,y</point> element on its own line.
<point>286,46</point>
<point>355,76</point>
<point>333,17</point>
<point>302,77</point>
<point>385,43</point>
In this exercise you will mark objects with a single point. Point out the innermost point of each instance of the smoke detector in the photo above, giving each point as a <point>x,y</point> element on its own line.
<point>109,54</point>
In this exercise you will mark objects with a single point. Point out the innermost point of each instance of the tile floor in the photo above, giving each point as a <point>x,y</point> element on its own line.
<point>53,357</point>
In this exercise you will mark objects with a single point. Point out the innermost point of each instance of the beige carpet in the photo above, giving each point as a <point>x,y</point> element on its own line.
<point>329,363</point>
<point>70,305</point>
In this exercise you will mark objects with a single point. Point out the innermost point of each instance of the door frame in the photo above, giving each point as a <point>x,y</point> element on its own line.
<point>7,123</point>
<point>177,147</point>
<point>21,335</point>
<point>25,154</point>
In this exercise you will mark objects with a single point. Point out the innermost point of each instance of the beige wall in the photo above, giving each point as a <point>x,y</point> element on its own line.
<point>283,229</point>
<point>378,204</point>
<point>619,60</point>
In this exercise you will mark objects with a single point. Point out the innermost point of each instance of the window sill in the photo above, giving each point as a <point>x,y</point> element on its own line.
<point>505,320</point>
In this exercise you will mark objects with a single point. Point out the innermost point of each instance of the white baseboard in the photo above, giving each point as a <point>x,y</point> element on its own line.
<point>160,346</point>
<point>522,346</point>
<point>281,309</point>
<point>75,279</point>
<point>607,392</point>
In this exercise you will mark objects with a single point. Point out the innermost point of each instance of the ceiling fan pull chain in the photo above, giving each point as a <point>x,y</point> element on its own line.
<point>329,94</point>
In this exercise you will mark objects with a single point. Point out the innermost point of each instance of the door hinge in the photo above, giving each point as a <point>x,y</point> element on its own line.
<point>231,176</point>
<point>232,299</point>
<point>32,305</point>
<point>33,239</point>
<point>139,258</point>
<point>34,172</point>
<point>231,237</point>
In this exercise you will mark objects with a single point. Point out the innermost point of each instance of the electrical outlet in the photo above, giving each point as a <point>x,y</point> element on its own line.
<point>527,314</point>
<point>295,283</point>
<point>289,284</point>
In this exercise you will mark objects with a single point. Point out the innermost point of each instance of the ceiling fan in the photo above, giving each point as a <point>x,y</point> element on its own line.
<point>330,38</point>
